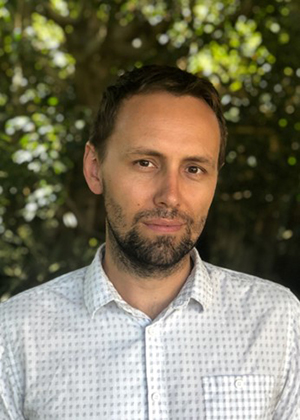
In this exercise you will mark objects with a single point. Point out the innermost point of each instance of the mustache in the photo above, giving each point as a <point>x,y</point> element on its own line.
<point>163,214</point>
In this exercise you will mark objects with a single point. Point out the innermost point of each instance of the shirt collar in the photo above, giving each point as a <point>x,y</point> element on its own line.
<point>198,285</point>
<point>99,291</point>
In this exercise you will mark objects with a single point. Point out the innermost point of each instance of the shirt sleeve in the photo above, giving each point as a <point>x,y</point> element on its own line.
<point>288,407</point>
<point>10,395</point>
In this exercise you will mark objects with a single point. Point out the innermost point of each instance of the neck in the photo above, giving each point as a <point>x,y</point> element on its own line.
<point>150,293</point>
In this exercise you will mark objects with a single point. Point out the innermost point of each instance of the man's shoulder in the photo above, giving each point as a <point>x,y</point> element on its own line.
<point>48,296</point>
<point>241,285</point>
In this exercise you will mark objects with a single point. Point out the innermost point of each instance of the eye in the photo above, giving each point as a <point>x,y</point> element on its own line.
<point>144,163</point>
<point>194,170</point>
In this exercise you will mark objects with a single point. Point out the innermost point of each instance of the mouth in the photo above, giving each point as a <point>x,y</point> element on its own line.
<point>163,225</point>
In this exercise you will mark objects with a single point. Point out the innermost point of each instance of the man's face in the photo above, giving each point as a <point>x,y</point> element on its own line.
<point>159,178</point>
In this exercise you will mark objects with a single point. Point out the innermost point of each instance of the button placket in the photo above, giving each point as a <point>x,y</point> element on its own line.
<point>154,366</point>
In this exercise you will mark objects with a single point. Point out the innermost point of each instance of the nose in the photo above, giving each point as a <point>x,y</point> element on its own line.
<point>168,191</point>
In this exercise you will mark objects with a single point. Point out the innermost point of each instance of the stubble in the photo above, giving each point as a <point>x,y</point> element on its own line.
<point>144,257</point>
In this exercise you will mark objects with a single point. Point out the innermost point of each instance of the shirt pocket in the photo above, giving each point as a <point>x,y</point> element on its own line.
<point>231,397</point>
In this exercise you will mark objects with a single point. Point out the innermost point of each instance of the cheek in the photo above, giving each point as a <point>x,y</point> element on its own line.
<point>132,194</point>
<point>127,195</point>
<point>201,201</point>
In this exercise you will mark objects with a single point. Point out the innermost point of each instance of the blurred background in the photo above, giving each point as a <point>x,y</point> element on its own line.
<point>57,56</point>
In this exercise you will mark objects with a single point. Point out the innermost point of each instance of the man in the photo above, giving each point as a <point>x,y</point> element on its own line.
<point>149,331</point>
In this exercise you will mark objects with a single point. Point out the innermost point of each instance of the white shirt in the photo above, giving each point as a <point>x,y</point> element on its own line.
<point>226,348</point>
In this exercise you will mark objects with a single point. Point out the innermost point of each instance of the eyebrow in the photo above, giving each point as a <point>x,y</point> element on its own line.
<point>142,151</point>
<point>150,152</point>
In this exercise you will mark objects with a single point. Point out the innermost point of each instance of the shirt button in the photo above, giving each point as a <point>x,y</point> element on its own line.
<point>152,331</point>
<point>155,396</point>
<point>239,383</point>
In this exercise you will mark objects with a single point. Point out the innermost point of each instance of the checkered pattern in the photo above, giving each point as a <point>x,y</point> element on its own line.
<point>227,347</point>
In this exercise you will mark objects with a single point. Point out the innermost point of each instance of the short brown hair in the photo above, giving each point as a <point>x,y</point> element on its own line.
<point>149,79</point>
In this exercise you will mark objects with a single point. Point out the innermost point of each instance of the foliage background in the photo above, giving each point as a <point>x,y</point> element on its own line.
<point>57,56</point>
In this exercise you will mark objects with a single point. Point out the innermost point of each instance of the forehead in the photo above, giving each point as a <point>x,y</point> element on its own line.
<point>162,120</point>
<point>164,106</point>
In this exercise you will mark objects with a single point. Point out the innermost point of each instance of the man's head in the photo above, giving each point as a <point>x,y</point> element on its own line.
<point>150,79</point>
<point>155,156</point>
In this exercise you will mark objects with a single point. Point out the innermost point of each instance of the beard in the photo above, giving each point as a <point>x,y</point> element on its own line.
<point>147,257</point>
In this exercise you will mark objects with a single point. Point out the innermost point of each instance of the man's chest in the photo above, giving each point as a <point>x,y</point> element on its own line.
<point>181,368</point>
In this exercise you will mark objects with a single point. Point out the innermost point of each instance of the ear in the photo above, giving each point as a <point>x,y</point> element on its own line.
<point>92,169</point>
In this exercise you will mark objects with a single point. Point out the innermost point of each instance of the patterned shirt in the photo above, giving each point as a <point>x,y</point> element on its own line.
<point>227,347</point>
